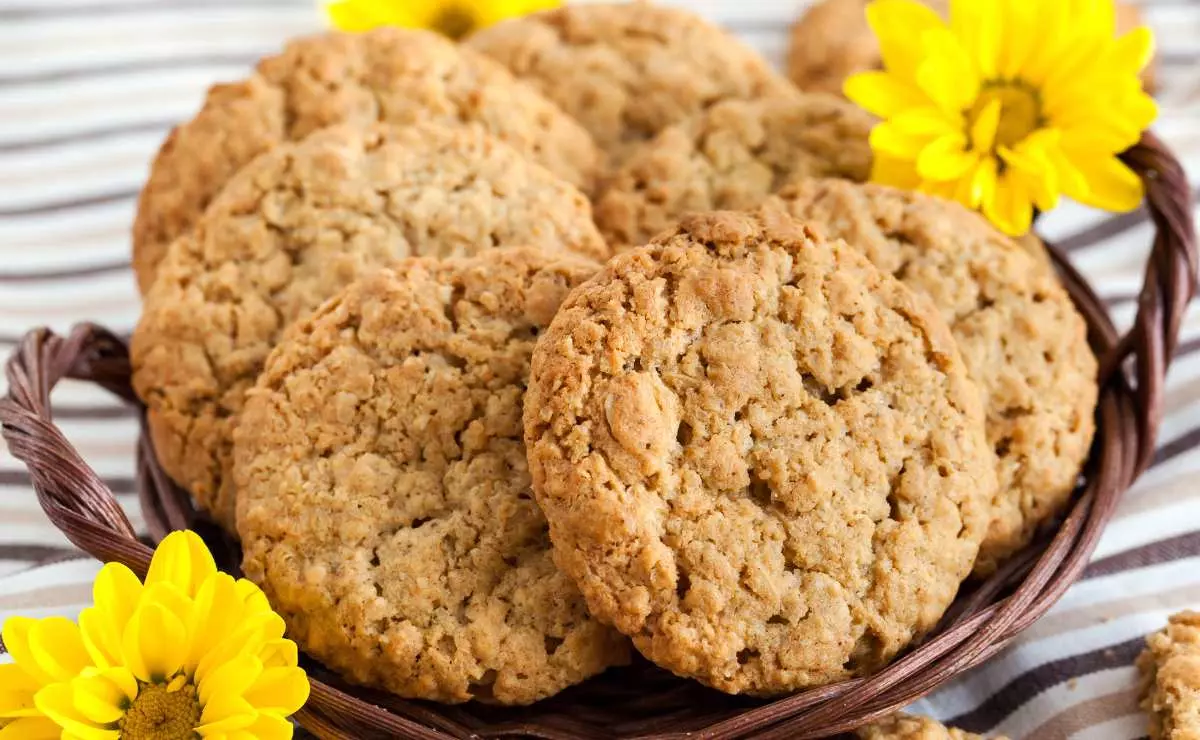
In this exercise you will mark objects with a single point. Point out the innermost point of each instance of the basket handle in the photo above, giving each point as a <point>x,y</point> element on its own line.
<point>70,492</point>
<point>1168,286</point>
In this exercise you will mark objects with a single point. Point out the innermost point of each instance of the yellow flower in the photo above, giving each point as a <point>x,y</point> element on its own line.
<point>1008,105</point>
<point>190,653</point>
<point>454,18</point>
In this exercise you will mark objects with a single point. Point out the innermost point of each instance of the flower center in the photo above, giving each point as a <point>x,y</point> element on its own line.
<point>1020,110</point>
<point>454,21</point>
<point>162,712</point>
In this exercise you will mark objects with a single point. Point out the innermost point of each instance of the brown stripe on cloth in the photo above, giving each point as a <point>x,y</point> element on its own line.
<point>1162,494</point>
<point>1087,714</point>
<point>34,10</point>
<point>87,135</point>
<point>118,484</point>
<point>1090,615</point>
<point>1163,551</point>
<point>1108,228</point>
<point>30,276</point>
<point>68,205</point>
<point>1029,684</point>
<point>138,65</point>
<point>48,597</point>
<point>33,553</point>
<point>1176,447</point>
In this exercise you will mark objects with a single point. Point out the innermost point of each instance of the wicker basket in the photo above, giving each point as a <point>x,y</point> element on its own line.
<point>642,701</point>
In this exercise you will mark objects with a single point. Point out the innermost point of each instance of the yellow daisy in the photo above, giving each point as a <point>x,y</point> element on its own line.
<point>453,18</point>
<point>1008,105</point>
<point>190,653</point>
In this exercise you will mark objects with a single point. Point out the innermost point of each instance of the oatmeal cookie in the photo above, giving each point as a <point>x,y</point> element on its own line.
<point>832,41</point>
<point>294,227</point>
<point>732,157</point>
<point>389,75</point>
<point>760,456</point>
<point>1170,670</point>
<point>1024,344</point>
<point>626,71</point>
<point>384,499</point>
<point>911,727</point>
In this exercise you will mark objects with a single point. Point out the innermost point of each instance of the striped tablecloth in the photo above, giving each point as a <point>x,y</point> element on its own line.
<point>88,89</point>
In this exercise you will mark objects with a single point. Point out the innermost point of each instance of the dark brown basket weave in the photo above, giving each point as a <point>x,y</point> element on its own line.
<point>642,701</point>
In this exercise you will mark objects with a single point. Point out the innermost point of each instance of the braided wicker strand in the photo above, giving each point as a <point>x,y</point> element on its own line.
<point>643,701</point>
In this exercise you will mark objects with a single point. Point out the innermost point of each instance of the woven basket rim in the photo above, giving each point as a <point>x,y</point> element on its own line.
<point>643,701</point>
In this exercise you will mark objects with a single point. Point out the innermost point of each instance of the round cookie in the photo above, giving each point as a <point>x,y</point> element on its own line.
<point>760,457</point>
<point>832,41</point>
<point>732,157</point>
<point>912,727</point>
<point>1024,344</point>
<point>294,227</point>
<point>384,495</point>
<point>626,71</point>
<point>391,75</point>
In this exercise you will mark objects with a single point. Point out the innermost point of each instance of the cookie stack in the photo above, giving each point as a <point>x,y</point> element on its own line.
<point>504,358</point>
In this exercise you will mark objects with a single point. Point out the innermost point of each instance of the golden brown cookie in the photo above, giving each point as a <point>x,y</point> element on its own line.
<point>832,41</point>
<point>384,496</point>
<point>296,226</point>
<point>627,71</point>
<point>1170,670</point>
<point>1023,342</point>
<point>911,727</point>
<point>391,75</point>
<point>731,157</point>
<point>760,456</point>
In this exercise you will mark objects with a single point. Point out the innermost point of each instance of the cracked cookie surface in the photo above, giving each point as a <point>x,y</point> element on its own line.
<point>385,505</point>
<point>293,228</point>
<point>1170,677</point>
<point>626,71</point>
<point>390,75</point>
<point>760,457</point>
<point>732,157</point>
<point>1023,342</point>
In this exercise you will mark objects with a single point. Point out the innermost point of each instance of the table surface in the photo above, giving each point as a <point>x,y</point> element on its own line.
<point>88,89</point>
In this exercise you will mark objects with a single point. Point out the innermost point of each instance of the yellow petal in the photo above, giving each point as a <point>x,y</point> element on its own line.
<point>231,679</point>
<point>927,122</point>
<point>1009,208</point>
<point>946,158</point>
<point>102,696</point>
<point>250,637</point>
<point>888,139</point>
<point>155,644</point>
<point>364,15</point>
<point>897,173</point>
<point>225,713</point>
<point>899,25</point>
<point>16,640</point>
<point>182,559</point>
<point>31,728</point>
<point>17,688</point>
<point>56,701</point>
<point>946,74</point>
<point>57,646</point>
<point>1133,51</point>
<point>254,601</point>
<point>1111,185</point>
<point>983,184</point>
<point>1029,165</point>
<point>279,690</point>
<point>270,727</point>
<point>218,613</point>
<point>883,94</point>
<point>279,653</point>
<point>983,131</point>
